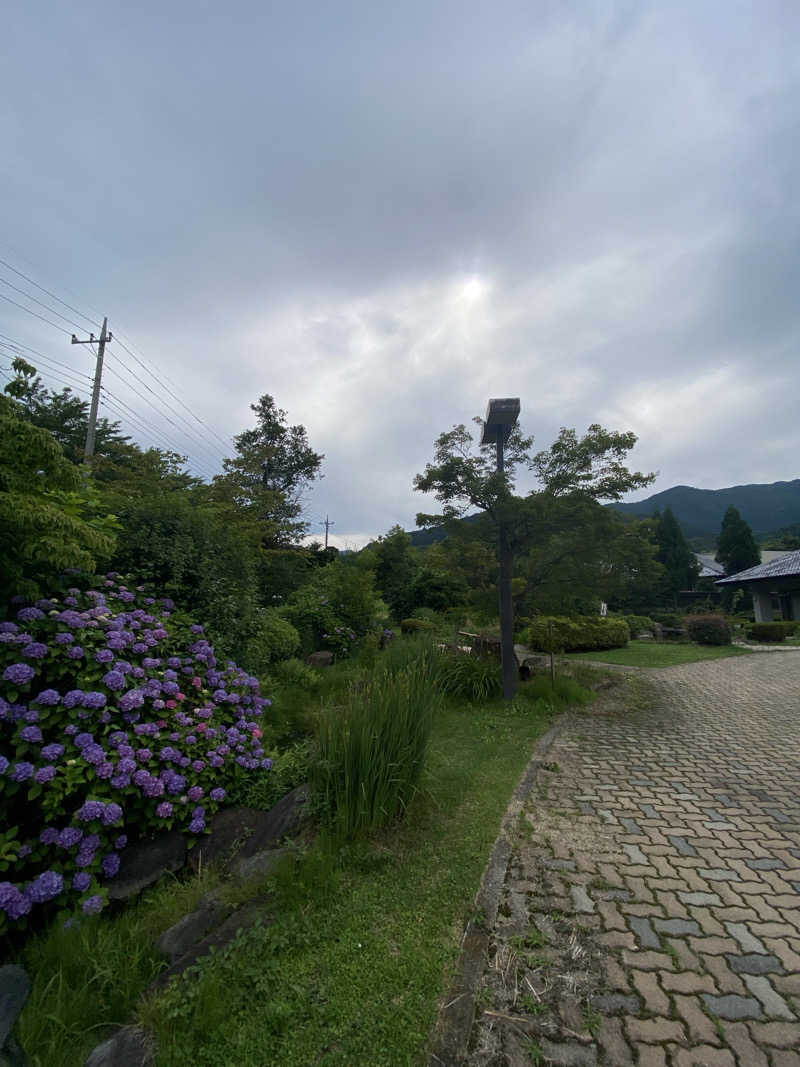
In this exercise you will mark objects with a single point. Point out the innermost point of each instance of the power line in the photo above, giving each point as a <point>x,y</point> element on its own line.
<point>210,429</point>
<point>41,303</point>
<point>187,432</point>
<point>53,295</point>
<point>35,315</point>
<point>19,344</point>
<point>47,360</point>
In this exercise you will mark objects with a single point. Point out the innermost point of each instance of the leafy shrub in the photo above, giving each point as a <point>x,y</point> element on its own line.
<point>273,638</point>
<point>428,614</point>
<point>295,674</point>
<point>709,629</point>
<point>333,610</point>
<point>470,676</point>
<point>417,626</point>
<point>638,624</point>
<point>560,634</point>
<point>667,618</point>
<point>768,632</point>
<point>290,768</point>
<point>372,749</point>
<point>103,743</point>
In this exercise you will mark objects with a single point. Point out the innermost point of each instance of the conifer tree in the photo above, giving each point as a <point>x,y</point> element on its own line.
<point>680,563</point>
<point>736,547</point>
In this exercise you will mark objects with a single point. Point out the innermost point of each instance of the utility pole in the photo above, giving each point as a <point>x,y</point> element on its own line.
<point>327,524</point>
<point>98,373</point>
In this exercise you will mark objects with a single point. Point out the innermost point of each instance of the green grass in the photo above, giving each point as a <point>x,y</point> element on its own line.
<point>365,935</point>
<point>661,654</point>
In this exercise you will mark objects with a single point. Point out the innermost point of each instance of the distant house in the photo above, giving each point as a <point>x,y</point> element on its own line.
<point>773,584</point>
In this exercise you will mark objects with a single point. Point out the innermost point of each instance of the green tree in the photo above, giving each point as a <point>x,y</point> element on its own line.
<point>274,464</point>
<point>736,547</point>
<point>592,465</point>
<point>51,520</point>
<point>396,570</point>
<point>679,562</point>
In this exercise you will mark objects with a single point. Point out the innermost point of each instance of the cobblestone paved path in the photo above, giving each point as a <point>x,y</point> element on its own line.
<point>650,913</point>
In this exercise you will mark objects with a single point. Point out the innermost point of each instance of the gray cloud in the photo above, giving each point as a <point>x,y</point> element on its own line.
<point>383,214</point>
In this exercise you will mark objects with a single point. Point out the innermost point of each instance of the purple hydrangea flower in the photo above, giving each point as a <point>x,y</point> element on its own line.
<point>153,788</point>
<point>48,885</point>
<point>71,729</point>
<point>196,826</point>
<point>30,614</point>
<point>144,755</point>
<point>110,864</point>
<point>121,842</point>
<point>121,781</point>
<point>18,674</point>
<point>104,770</point>
<point>90,810</point>
<point>198,765</point>
<point>81,881</point>
<point>164,809</point>
<point>4,764</point>
<point>92,905</point>
<point>52,752</point>
<point>75,652</point>
<point>48,697</point>
<point>24,850</point>
<point>45,774</point>
<point>130,700</point>
<point>35,650</point>
<point>64,639</point>
<point>217,795</point>
<point>83,740</point>
<point>93,754</point>
<point>196,792</point>
<point>112,814</point>
<point>14,903</point>
<point>31,734</point>
<point>8,628</point>
<point>69,837</point>
<point>49,835</point>
<point>94,700</point>
<point>22,772</point>
<point>105,655</point>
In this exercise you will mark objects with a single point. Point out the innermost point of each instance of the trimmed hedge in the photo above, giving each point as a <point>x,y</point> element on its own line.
<point>709,629</point>
<point>771,632</point>
<point>416,626</point>
<point>580,634</point>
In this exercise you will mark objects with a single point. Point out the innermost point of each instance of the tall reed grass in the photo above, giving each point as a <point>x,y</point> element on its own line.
<point>372,746</point>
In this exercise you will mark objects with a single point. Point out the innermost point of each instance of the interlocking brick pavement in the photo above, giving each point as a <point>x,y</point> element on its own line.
<point>651,906</point>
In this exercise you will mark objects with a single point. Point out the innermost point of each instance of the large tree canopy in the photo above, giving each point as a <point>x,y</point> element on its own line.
<point>274,464</point>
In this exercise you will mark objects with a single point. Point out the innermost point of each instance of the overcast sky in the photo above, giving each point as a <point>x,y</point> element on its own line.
<point>385,213</point>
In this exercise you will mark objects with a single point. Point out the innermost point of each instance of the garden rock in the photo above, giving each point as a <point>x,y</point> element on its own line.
<point>192,928</point>
<point>15,985</point>
<point>129,1047</point>
<point>261,865</point>
<point>237,833</point>
<point>144,863</point>
<point>320,659</point>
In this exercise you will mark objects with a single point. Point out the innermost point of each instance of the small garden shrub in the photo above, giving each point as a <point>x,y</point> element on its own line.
<point>470,676</point>
<point>290,768</point>
<point>334,610</point>
<point>417,626</point>
<point>272,638</point>
<point>116,723</point>
<point>581,634</point>
<point>768,633</point>
<point>372,748</point>
<point>667,618</point>
<point>709,629</point>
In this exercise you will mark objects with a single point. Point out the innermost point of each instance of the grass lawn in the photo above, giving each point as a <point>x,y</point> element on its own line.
<point>363,943</point>
<point>659,654</point>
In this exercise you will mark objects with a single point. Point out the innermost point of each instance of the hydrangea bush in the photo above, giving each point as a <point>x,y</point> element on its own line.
<point>116,723</point>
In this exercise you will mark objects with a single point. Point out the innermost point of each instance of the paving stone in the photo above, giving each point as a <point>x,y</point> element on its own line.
<point>647,961</point>
<point>726,981</point>
<point>747,941</point>
<point>733,1007</point>
<point>737,1036</point>
<point>703,1056</point>
<point>655,999</point>
<point>655,1031</point>
<point>635,855</point>
<point>765,864</point>
<point>773,1002</point>
<point>560,865</point>
<point>650,1056</point>
<point>645,933</point>
<point>699,898</point>
<point>611,1039</point>
<point>700,1028</point>
<point>755,963</point>
<point>676,927</point>
<point>632,826</point>
<point>616,1003</point>
<point>776,1035</point>
<point>582,901</point>
<point>719,874</point>
<point>566,1054</point>
<point>784,1058</point>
